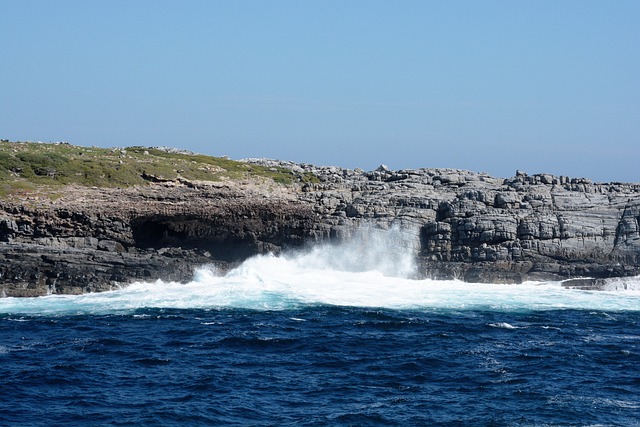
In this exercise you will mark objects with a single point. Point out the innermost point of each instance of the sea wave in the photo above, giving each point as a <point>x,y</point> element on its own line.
<point>366,271</point>
<point>279,283</point>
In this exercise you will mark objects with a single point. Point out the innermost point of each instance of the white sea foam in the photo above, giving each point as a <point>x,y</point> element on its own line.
<point>623,284</point>
<point>503,325</point>
<point>372,270</point>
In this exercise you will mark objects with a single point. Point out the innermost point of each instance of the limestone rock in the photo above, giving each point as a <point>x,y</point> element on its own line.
<point>468,225</point>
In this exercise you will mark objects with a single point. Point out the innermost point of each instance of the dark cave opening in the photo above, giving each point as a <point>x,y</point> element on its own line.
<point>219,242</point>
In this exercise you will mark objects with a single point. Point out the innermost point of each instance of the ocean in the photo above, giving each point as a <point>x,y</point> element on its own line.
<point>338,335</point>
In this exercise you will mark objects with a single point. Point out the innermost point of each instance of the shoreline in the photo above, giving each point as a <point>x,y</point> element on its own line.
<point>468,225</point>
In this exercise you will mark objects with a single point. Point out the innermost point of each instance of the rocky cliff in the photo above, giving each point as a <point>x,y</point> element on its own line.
<point>469,226</point>
<point>477,228</point>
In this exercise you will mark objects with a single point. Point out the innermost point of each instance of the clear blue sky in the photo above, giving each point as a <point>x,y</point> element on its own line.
<point>493,86</point>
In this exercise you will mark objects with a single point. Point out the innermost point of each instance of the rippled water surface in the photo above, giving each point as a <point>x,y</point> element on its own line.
<point>321,366</point>
<point>329,337</point>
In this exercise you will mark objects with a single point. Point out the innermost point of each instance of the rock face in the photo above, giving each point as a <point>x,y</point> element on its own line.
<point>467,225</point>
<point>100,239</point>
<point>482,229</point>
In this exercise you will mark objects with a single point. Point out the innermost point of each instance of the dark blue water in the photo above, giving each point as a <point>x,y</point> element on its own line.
<point>321,365</point>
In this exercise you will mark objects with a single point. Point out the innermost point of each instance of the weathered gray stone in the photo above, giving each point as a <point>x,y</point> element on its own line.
<point>469,226</point>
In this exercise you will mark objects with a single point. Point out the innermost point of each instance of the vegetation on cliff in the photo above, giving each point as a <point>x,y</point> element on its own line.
<point>26,166</point>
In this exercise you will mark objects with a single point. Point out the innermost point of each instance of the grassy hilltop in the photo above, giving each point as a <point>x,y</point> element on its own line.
<point>26,166</point>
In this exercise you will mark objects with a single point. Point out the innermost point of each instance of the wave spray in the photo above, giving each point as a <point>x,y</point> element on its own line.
<point>373,268</point>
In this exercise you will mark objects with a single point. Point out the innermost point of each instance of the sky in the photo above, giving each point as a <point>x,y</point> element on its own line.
<point>488,86</point>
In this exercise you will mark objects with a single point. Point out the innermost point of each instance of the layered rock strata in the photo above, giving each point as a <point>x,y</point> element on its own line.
<point>477,228</point>
<point>467,225</point>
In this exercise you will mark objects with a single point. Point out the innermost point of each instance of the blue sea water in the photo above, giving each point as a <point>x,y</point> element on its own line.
<point>321,366</point>
<point>323,338</point>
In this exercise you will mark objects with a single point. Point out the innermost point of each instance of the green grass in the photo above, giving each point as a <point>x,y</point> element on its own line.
<point>26,166</point>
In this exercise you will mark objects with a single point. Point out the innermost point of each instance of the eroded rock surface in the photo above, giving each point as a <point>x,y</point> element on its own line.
<point>467,225</point>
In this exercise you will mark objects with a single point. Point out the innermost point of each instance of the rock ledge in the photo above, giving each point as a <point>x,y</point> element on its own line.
<point>467,225</point>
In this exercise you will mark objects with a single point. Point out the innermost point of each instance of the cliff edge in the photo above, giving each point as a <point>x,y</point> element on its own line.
<point>470,226</point>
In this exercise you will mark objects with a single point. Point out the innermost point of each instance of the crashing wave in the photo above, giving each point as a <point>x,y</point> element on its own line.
<point>366,271</point>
